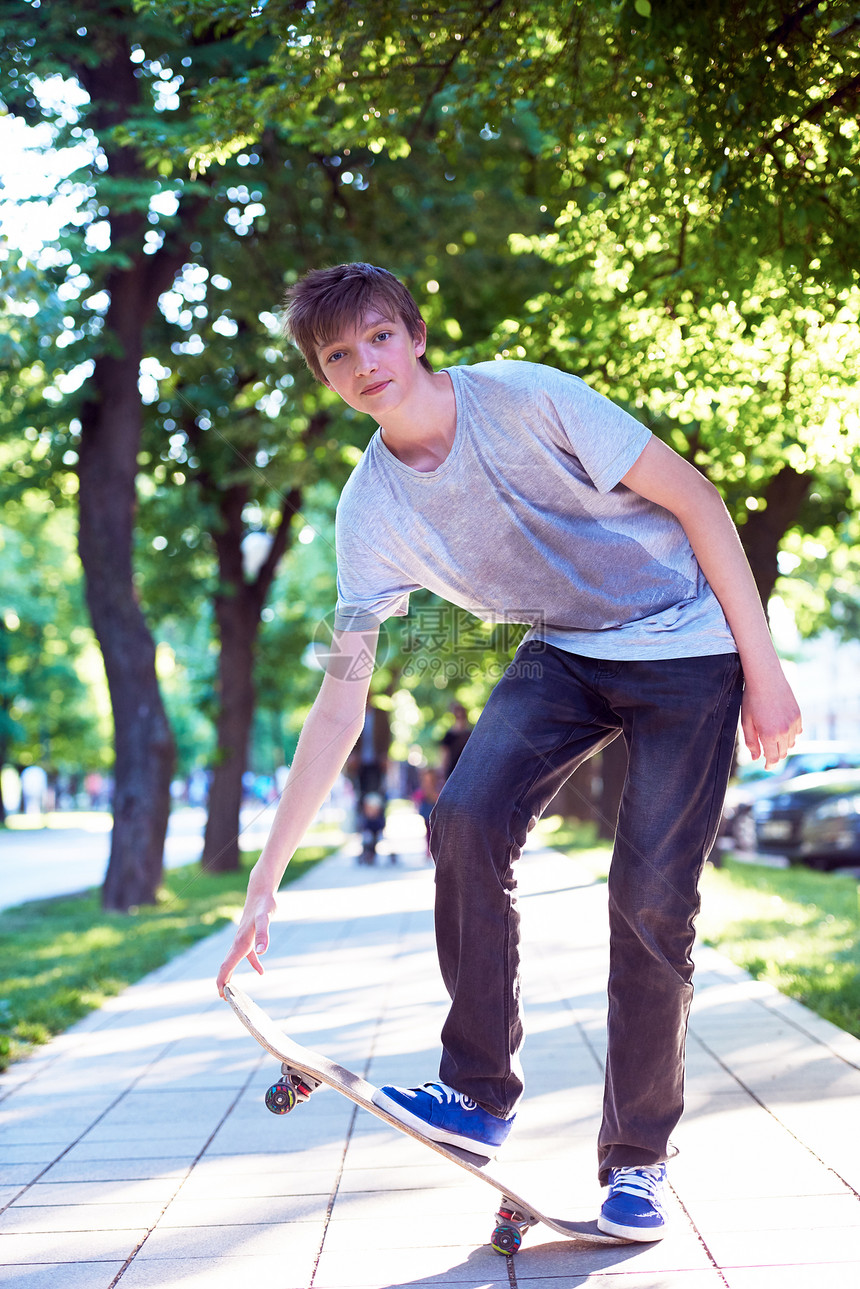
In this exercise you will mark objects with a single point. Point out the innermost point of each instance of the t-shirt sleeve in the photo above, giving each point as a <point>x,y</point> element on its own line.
<point>606,439</point>
<point>369,588</point>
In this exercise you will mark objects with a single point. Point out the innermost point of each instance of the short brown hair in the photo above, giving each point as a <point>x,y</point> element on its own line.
<point>325,301</point>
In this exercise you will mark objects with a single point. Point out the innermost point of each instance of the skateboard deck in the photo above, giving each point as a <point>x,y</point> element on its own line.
<point>303,1070</point>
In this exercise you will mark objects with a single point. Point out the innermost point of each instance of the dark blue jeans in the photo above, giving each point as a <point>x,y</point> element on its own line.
<point>549,712</point>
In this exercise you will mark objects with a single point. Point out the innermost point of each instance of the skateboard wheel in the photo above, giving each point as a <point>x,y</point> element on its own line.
<point>506,1240</point>
<point>281,1098</point>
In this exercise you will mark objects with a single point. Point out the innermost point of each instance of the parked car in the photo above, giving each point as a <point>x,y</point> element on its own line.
<point>753,782</point>
<point>814,819</point>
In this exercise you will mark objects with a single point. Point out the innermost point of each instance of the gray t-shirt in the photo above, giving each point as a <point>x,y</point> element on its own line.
<point>526,521</point>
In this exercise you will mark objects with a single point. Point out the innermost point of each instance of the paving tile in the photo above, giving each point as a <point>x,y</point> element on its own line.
<point>352,970</point>
<point>390,1149</point>
<point>830,1129</point>
<point>28,1219</point>
<point>61,1275</point>
<point>446,1265</point>
<point>74,1169</point>
<point>188,1213</point>
<point>202,1273</point>
<point>144,1138</point>
<point>804,1247</point>
<point>301,1130</point>
<point>410,1178</point>
<point>156,1107</point>
<point>419,1231</point>
<point>138,1148</point>
<point>301,1159</point>
<point>709,1170</point>
<point>150,1190</point>
<point>237,1139</point>
<point>22,1249</point>
<point>542,1252</point>
<point>841,1275</point>
<point>702,1099</point>
<point>209,1186</point>
<point>61,1123</point>
<point>40,1153</point>
<point>18,1175</point>
<point>296,1243</point>
<point>769,1213</point>
<point>436,1204</point>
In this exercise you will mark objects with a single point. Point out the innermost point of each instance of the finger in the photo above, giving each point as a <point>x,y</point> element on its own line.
<point>751,738</point>
<point>261,936</point>
<point>229,965</point>
<point>774,751</point>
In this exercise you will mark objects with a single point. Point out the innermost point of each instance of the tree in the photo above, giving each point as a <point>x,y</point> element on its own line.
<point>249,433</point>
<point>146,246</point>
<point>680,187</point>
<point>94,46</point>
<point>704,203</point>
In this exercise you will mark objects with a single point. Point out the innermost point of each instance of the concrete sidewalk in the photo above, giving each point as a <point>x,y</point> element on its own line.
<point>135,1150</point>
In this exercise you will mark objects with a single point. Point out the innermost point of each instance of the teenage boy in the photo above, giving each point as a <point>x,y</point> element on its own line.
<point>517,492</point>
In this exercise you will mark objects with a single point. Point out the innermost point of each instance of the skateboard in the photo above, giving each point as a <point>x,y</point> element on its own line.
<point>303,1071</point>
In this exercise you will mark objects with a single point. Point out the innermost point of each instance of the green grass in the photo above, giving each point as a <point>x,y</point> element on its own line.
<point>89,820</point>
<point>795,928</point>
<point>61,958</point>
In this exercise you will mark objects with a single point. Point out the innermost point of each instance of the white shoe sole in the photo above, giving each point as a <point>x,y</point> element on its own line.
<point>402,1115</point>
<point>641,1234</point>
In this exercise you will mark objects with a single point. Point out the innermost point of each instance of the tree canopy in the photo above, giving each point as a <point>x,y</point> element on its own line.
<point>657,197</point>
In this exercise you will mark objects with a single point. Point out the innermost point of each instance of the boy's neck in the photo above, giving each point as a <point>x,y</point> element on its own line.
<point>420,433</point>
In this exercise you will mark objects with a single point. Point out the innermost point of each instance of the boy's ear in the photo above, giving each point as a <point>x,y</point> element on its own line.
<point>419,339</point>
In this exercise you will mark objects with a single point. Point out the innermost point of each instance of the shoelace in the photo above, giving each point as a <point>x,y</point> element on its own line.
<point>443,1093</point>
<point>642,1181</point>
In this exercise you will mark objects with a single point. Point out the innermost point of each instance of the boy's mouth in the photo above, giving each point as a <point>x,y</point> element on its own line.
<point>376,388</point>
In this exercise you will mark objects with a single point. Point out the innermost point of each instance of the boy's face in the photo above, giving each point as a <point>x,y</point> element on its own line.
<point>374,364</point>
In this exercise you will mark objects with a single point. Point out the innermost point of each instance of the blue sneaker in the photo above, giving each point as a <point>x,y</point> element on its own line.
<point>635,1208</point>
<point>443,1115</point>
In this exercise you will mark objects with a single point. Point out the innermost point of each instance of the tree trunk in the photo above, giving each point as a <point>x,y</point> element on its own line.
<point>238,605</point>
<point>764,530</point>
<point>238,622</point>
<point>143,741</point>
<point>575,798</point>
<point>110,438</point>
<point>111,422</point>
<point>613,769</point>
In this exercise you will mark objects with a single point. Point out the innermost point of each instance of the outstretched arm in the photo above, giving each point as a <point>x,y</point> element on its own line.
<point>328,736</point>
<point>770,716</point>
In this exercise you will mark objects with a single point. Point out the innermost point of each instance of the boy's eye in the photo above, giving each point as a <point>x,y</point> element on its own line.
<point>382,335</point>
<point>338,353</point>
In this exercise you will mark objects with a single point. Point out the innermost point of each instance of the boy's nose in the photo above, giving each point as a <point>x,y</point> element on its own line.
<point>365,362</point>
